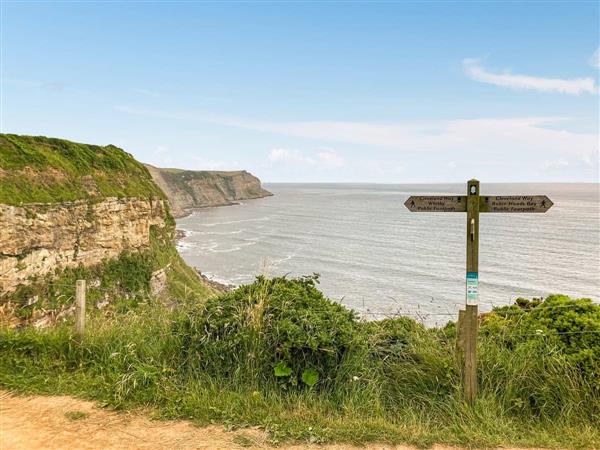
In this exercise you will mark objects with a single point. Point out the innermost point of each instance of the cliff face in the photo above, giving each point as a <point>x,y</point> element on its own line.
<point>188,189</point>
<point>38,239</point>
<point>70,211</point>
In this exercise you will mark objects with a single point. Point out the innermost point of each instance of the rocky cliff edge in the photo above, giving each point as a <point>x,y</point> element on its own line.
<point>189,189</point>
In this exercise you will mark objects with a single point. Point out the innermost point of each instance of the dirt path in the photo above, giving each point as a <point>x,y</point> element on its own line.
<point>38,422</point>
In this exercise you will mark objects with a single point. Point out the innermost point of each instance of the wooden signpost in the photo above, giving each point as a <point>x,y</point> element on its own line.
<point>473,204</point>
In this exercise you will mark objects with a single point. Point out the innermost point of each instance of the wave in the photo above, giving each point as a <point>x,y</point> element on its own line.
<point>217,233</point>
<point>227,250</point>
<point>235,248</point>
<point>216,224</point>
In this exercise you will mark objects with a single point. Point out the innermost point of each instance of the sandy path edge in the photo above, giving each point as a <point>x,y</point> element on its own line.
<point>61,422</point>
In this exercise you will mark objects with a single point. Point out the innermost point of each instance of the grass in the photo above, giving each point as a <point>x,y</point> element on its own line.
<point>277,353</point>
<point>125,281</point>
<point>396,381</point>
<point>37,169</point>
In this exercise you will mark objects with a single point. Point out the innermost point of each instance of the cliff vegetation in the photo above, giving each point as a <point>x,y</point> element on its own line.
<point>190,189</point>
<point>72,210</point>
<point>37,169</point>
<point>279,355</point>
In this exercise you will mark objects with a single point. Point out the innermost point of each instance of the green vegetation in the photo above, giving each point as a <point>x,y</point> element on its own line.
<point>124,281</point>
<point>279,355</point>
<point>573,326</point>
<point>183,180</point>
<point>223,183</point>
<point>37,169</point>
<point>48,170</point>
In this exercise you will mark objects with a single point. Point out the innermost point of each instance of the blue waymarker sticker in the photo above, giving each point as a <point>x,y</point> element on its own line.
<point>472,288</point>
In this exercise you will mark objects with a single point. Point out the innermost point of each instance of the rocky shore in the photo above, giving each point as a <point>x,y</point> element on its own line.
<point>215,284</point>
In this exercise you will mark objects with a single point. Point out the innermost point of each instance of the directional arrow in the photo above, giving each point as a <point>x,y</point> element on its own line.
<point>514,204</point>
<point>474,203</point>
<point>436,203</point>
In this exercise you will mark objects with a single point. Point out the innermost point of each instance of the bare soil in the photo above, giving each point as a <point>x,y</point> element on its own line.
<point>39,422</point>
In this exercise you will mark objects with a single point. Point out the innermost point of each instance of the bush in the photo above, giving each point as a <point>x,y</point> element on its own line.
<point>417,366</point>
<point>279,355</point>
<point>572,326</point>
<point>272,329</point>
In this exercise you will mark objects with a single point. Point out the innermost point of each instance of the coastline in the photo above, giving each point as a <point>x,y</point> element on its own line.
<point>221,287</point>
<point>189,211</point>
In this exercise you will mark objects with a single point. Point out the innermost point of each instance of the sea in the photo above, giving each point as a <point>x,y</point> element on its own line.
<point>378,258</point>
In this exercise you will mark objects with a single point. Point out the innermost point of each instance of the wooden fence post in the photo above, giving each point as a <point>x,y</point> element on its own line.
<point>80,308</point>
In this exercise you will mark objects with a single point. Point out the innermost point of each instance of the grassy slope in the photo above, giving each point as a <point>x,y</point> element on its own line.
<point>40,169</point>
<point>181,180</point>
<point>412,395</point>
<point>48,170</point>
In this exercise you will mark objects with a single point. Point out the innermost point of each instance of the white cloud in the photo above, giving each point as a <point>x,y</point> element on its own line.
<point>325,159</point>
<point>556,165</point>
<point>287,155</point>
<point>201,163</point>
<point>574,86</point>
<point>517,135</point>
<point>529,134</point>
<point>594,60</point>
<point>329,159</point>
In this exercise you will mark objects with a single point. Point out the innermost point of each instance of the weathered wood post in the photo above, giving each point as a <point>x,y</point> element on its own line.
<point>469,332</point>
<point>460,345</point>
<point>80,308</point>
<point>473,204</point>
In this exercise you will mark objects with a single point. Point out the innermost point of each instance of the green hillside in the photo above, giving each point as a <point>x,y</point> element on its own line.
<point>37,169</point>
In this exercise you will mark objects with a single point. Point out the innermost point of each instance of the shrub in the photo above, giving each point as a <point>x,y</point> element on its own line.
<point>276,328</point>
<point>417,366</point>
<point>572,326</point>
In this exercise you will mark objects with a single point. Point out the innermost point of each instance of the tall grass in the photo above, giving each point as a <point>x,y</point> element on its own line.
<point>392,380</point>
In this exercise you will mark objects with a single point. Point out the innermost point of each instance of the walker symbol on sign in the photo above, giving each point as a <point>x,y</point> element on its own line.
<point>473,204</point>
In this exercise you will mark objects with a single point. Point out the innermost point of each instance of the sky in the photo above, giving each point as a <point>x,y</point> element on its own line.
<point>379,92</point>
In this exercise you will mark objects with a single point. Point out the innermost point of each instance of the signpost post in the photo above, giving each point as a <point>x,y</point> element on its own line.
<point>474,203</point>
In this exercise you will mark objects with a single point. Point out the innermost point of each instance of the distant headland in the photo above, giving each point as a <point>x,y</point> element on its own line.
<point>190,189</point>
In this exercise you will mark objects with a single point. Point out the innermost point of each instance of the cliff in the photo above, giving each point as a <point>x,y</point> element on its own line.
<point>189,189</point>
<point>71,210</point>
<point>38,238</point>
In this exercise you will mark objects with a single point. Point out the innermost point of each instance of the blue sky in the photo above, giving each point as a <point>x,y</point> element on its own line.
<point>389,92</point>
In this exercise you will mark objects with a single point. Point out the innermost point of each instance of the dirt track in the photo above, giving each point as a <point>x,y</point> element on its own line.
<point>39,422</point>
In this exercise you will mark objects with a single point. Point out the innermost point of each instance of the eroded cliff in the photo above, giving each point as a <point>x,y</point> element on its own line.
<point>71,210</point>
<point>189,189</point>
<point>39,238</point>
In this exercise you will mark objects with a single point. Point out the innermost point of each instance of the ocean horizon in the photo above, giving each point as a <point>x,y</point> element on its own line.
<point>376,257</point>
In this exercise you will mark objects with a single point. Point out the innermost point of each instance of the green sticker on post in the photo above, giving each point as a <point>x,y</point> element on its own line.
<point>472,288</point>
